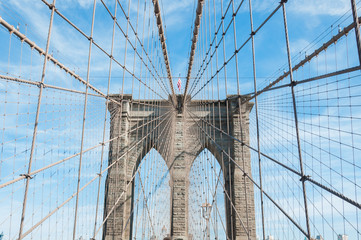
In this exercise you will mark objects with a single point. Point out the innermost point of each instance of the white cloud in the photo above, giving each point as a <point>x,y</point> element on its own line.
<point>298,45</point>
<point>84,4</point>
<point>306,7</point>
<point>319,7</point>
<point>264,6</point>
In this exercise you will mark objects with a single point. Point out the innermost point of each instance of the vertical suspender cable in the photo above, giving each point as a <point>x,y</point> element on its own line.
<point>105,119</point>
<point>303,178</point>
<point>257,122</point>
<point>240,113</point>
<point>357,28</point>
<point>52,6</point>
<point>83,127</point>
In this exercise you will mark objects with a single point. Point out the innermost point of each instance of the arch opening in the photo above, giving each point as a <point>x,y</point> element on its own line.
<point>151,198</point>
<point>207,213</point>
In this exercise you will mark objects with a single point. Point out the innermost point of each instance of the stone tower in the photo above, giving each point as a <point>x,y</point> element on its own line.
<point>181,140</point>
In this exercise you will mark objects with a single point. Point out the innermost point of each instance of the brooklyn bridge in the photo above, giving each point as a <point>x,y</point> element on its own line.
<point>180,120</point>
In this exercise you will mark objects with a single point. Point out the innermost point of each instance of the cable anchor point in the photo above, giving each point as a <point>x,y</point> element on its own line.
<point>27,176</point>
<point>304,178</point>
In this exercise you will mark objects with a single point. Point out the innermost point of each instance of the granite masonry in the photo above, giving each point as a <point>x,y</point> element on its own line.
<point>179,135</point>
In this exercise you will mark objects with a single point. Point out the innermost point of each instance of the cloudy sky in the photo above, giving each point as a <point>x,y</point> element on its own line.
<point>310,22</point>
<point>306,19</point>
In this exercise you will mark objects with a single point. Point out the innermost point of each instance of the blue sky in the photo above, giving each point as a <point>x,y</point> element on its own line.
<point>310,22</point>
<point>306,20</point>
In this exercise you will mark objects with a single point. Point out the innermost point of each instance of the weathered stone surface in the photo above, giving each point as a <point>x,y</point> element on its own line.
<point>180,142</point>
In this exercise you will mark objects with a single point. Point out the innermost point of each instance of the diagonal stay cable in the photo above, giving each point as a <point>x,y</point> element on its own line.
<point>225,190</point>
<point>104,51</point>
<point>164,145</point>
<point>77,154</point>
<point>214,195</point>
<point>235,52</point>
<point>23,38</point>
<point>132,45</point>
<point>137,37</point>
<point>214,40</point>
<point>146,202</point>
<point>308,58</point>
<point>37,83</point>
<point>250,96</point>
<point>62,66</point>
<point>164,46</point>
<point>87,184</point>
<point>228,196</point>
<point>307,178</point>
<point>128,184</point>
<point>251,179</point>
